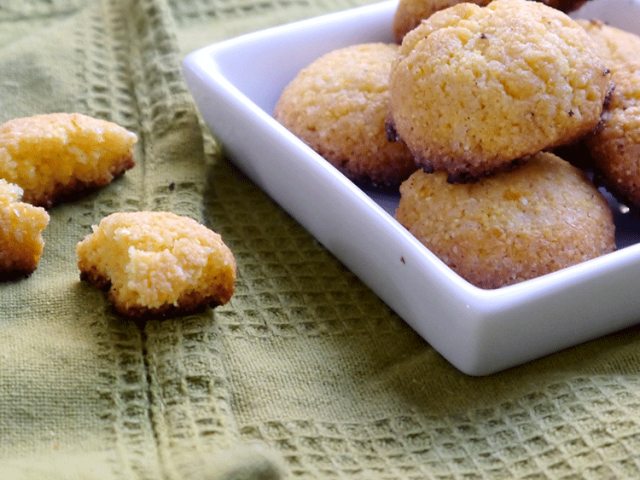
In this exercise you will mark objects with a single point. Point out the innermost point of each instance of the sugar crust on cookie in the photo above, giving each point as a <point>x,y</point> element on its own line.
<point>535,219</point>
<point>410,13</point>
<point>617,46</point>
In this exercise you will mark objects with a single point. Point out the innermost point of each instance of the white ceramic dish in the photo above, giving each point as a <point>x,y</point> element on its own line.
<point>236,84</point>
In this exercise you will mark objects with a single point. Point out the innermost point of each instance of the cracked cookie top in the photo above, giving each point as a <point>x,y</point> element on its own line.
<point>474,88</point>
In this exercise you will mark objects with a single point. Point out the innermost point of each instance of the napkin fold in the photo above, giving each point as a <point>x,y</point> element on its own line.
<point>305,373</point>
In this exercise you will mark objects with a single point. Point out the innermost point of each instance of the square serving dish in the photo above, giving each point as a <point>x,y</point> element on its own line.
<point>236,84</point>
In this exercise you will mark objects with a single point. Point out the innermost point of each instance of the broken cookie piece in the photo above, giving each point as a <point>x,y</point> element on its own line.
<point>157,263</point>
<point>57,156</point>
<point>21,226</point>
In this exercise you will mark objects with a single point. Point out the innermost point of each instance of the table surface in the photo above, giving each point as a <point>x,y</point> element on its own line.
<point>305,373</point>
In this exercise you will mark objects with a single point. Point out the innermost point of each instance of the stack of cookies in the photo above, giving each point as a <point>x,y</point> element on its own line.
<point>479,96</point>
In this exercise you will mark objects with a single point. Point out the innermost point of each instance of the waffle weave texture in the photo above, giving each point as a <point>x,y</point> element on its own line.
<point>305,373</point>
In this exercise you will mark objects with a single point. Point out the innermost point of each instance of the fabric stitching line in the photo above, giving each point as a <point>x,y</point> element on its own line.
<point>99,42</point>
<point>157,60</point>
<point>192,392</point>
<point>145,132</point>
<point>126,12</point>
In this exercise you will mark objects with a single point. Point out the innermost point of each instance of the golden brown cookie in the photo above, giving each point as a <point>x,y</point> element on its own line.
<point>338,105</point>
<point>535,219</point>
<point>474,88</point>
<point>21,226</point>
<point>157,263</point>
<point>618,46</point>
<point>410,13</point>
<point>615,146</point>
<point>62,155</point>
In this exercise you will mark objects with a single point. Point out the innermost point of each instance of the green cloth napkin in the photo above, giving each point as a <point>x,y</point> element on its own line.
<point>305,373</point>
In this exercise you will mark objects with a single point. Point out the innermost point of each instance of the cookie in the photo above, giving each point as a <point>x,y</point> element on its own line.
<point>617,46</point>
<point>338,105</point>
<point>615,145</point>
<point>474,88</point>
<point>410,13</point>
<point>21,226</point>
<point>54,157</point>
<point>541,217</point>
<point>157,263</point>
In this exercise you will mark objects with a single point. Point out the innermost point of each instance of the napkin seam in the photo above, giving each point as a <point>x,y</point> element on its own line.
<point>172,143</point>
<point>162,103</point>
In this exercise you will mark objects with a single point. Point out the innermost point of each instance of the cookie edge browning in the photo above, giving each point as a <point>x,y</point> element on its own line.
<point>78,188</point>
<point>218,286</point>
<point>17,273</point>
<point>189,302</point>
<point>70,123</point>
<point>455,177</point>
